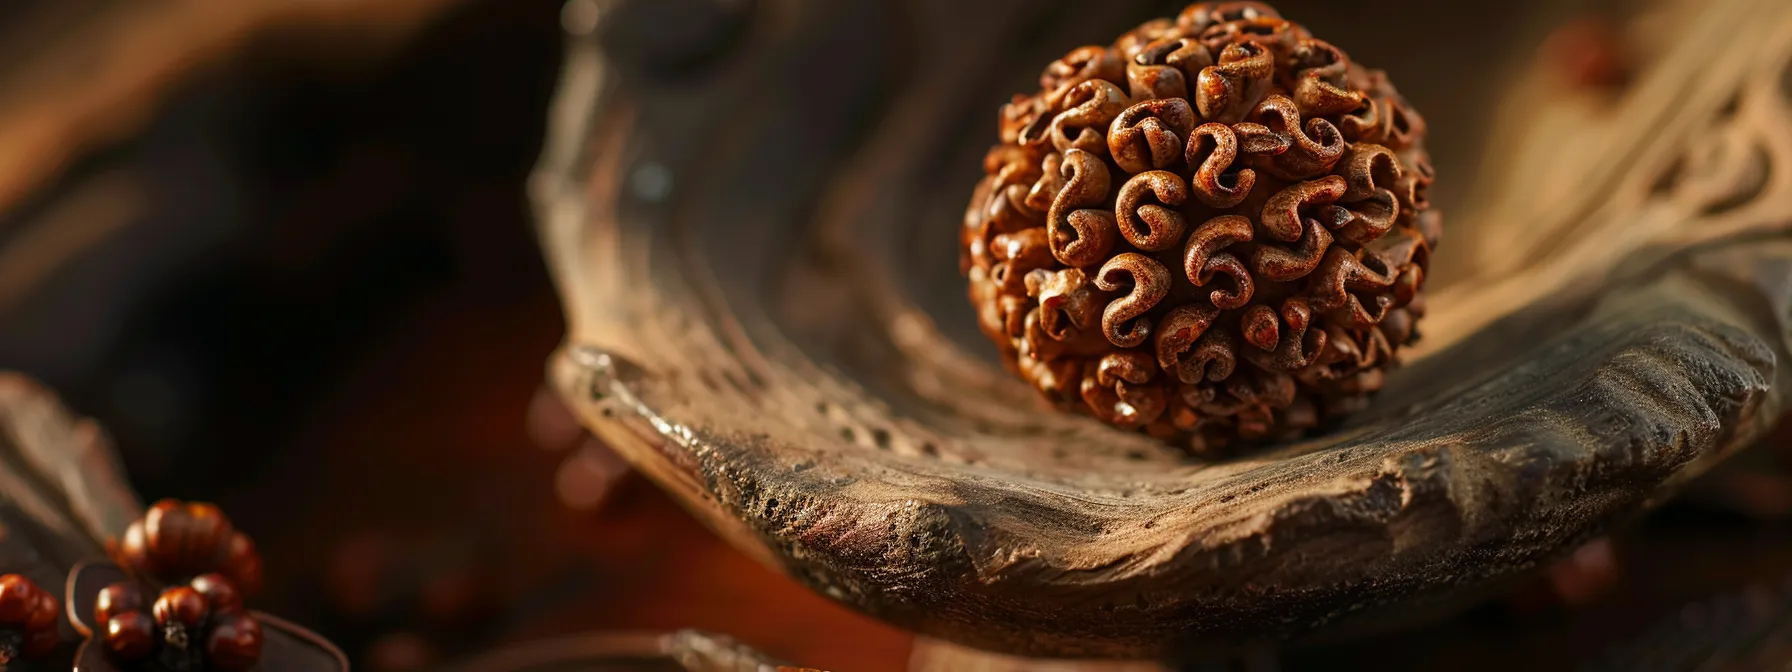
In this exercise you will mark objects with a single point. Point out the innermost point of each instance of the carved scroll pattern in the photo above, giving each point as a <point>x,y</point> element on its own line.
<point>1698,150</point>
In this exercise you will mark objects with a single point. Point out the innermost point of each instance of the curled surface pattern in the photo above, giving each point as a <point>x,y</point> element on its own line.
<point>1214,229</point>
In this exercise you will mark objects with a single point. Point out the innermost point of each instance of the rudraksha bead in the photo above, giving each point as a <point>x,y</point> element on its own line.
<point>28,617</point>
<point>199,626</point>
<point>197,622</point>
<point>176,541</point>
<point>1215,229</point>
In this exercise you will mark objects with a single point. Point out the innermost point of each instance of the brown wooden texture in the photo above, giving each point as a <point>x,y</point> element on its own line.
<point>65,493</point>
<point>1694,151</point>
<point>764,317</point>
<point>61,492</point>
<point>689,650</point>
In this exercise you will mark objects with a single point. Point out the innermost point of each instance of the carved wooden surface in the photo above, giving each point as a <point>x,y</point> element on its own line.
<point>1694,152</point>
<point>687,650</point>
<point>61,492</point>
<point>64,492</point>
<point>765,317</point>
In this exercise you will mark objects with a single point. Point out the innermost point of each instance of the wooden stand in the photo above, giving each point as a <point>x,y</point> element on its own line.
<point>755,254</point>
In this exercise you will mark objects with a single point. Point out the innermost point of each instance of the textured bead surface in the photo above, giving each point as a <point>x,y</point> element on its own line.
<point>31,613</point>
<point>1214,229</point>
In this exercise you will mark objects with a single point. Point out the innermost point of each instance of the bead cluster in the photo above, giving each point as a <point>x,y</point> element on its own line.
<point>198,622</point>
<point>201,625</point>
<point>175,541</point>
<point>28,618</point>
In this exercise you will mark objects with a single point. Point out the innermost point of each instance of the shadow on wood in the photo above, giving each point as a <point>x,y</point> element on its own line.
<point>765,317</point>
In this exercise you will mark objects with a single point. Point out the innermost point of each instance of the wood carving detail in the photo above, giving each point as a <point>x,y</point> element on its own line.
<point>766,340</point>
<point>1734,173</point>
<point>1699,150</point>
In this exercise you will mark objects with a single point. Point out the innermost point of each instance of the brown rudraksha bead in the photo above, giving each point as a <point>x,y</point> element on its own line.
<point>205,567</point>
<point>1213,230</point>
<point>193,627</point>
<point>28,618</point>
<point>176,541</point>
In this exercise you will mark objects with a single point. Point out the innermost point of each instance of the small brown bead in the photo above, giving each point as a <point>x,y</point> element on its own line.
<point>176,541</point>
<point>242,563</point>
<point>116,599</point>
<point>31,612</point>
<point>219,593</point>
<point>130,636</point>
<point>1589,53</point>
<point>44,612</point>
<point>180,604</point>
<point>161,524</point>
<point>184,539</point>
<point>234,643</point>
<point>134,549</point>
<point>18,595</point>
<point>208,530</point>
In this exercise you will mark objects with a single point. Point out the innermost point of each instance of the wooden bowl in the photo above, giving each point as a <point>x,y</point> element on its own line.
<point>757,255</point>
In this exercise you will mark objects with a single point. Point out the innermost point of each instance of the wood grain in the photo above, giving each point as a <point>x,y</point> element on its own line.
<point>1694,152</point>
<point>764,316</point>
<point>61,490</point>
<point>689,650</point>
<point>60,478</point>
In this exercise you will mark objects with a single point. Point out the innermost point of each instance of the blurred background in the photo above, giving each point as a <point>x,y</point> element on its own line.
<point>282,251</point>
